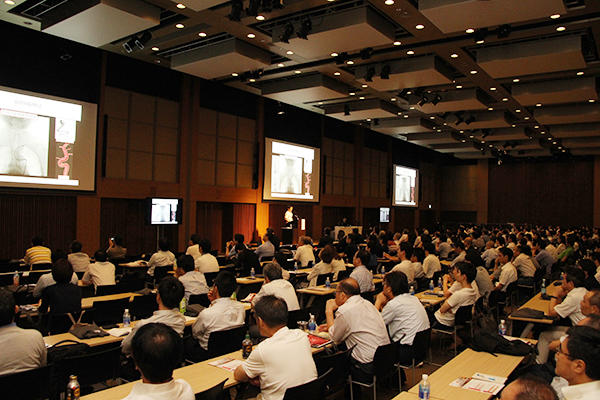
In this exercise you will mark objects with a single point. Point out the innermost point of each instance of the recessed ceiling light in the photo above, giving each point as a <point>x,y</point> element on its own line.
<point>260,17</point>
<point>483,141</point>
<point>337,73</point>
<point>580,73</point>
<point>320,103</point>
<point>181,6</point>
<point>252,80</point>
<point>553,142</point>
<point>473,72</point>
<point>251,35</point>
<point>157,61</point>
<point>560,147</point>
<point>361,98</point>
<point>411,107</point>
<point>492,89</point>
<point>543,132</point>
<point>454,55</point>
<point>505,99</point>
<point>399,113</point>
<point>560,28</point>
<point>459,86</point>
<point>461,131</point>
<point>463,140</point>
<point>349,62</point>
<point>352,93</point>
<point>549,138</point>
<point>389,2</point>
<point>410,52</point>
<point>513,125</point>
<point>537,126</point>
<point>202,34</point>
<point>564,151</point>
<point>480,41</point>
<point>397,43</point>
<point>364,86</point>
<point>555,16</point>
<point>420,26</point>
<point>518,110</point>
<point>491,145</point>
<point>180,26</point>
<point>490,108</point>
<point>234,74</point>
<point>470,30</point>
<point>393,99</point>
<point>12,3</point>
<point>297,71</point>
<point>471,136</point>
<point>592,100</point>
<point>516,80</point>
<point>538,105</point>
<point>334,54</point>
<point>432,117</point>
<point>526,118</point>
<point>155,48</point>
<point>280,65</point>
<point>368,119</point>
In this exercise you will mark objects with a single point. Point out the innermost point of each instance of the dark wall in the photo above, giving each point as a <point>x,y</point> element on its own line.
<point>542,191</point>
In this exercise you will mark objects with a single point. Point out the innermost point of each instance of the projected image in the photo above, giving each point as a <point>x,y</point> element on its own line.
<point>405,186</point>
<point>286,175</point>
<point>164,211</point>
<point>24,142</point>
<point>384,214</point>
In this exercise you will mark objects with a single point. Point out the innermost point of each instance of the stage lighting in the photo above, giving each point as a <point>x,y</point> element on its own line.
<point>288,31</point>
<point>129,45</point>
<point>370,74</point>
<point>486,132</point>
<point>385,72</point>
<point>141,42</point>
<point>479,36</point>
<point>305,28</point>
<point>424,100</point>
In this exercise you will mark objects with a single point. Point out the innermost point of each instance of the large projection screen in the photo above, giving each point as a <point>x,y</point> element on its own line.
<point>291,172</point>
<point>406,186</point>
<point>46,142</point>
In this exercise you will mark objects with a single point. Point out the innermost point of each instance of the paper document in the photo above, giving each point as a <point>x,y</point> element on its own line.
<point>227,363</point>
<point>118,332</point>
<point>480,382</point>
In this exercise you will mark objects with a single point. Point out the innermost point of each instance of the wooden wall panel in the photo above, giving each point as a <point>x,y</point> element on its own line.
<point>334,215</point>
<point>337,167</point>
<point>459,188</point>
<point>244,221</point>
<point>209,222</point>
<point>404,218</point>
<point>277,210</point>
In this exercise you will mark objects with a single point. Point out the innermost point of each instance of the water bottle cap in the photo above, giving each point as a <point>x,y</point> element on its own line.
<point>424,377</point>
<point>127,310</point>
<point>501,321</point>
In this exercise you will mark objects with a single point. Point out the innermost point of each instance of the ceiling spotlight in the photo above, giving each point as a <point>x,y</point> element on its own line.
<point>504,31</point>
<point>410,52</point>
<point>305,28</point>
<point>180,26</point>
<point>361,98</point>
<point>289,53</point>
<point>420,26</point>
<point>405,116</point>
<point>129,45</point>
<point>470,120</point>
<point>470,30</point>
<point>473,72</point>
<point>337,73</point>
<point>346,109</point>
<point>389,2</point>
<point>234,74</point>
<point>385,72</point>
<point>349,62</point>
<point>180,6</point>
<point>280,110</point>
<point>536,127</point>
<point>560,28</point>
<point>334,54</point>
<point>252,9</point>
<point>432,117</point>
<point>592,100</point>
<point>505,99</point>
<point>364,86</point>
<point>370,73</point>
<point>368,120</point>
<point>538,105</point>
<point>424,100</point>
<point>459,86</point>
<point>480,35</point>
<point>288,31</point>
<point>251,36</point>
<point>555,16</point>
<point>393,99</point>
<point>397,43</point>
<point>526,118</point>
<point>580,73</point>
<point>280,65</point>
<point>237,7</point>
<point>352,93</point>
<point>297,71</point>
<point>518,110</point>
<point>202,34</point>
<point>252,80</point>
<point>260,17</point>
<point>516,80</point>
<point>155,48</point>
<point>366,53</point>
<point>490,108</point>
<point>454,55</point>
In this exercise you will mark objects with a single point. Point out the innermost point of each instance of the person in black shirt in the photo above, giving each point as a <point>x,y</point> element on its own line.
<point>62,297</point>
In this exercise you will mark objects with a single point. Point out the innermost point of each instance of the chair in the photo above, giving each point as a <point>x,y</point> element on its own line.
<point>32,278</point>
<point>32,384</point>
<point>223,342</point>
<point>210,277</point>
<point>295,316</point>
<point>343,275</point>
<point>501,300</point>
<point>384,360</point>
<point>309,390</point>
<point>104,290</point>
<point>266,258</point>
<point>59,323</point>
<point>90,368</point>
<point>323,277</point>
<point>418,353</point>
<point>201,299</point>
<point>340,363</point>
<point>41,266</point>
<point>143,306</point>
<point>463,316</point>
<point>214,393</point>
<point>109,312</point>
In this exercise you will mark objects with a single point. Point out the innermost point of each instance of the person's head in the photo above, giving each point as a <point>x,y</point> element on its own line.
<point>573,277</point>
<point>186,263</point>
<point>225,284</point>
<point>238,238</point>
<point>272,272</point>
<point>504,255</point>
<point>418,255</point>
<point>271,313</point>
<point>523,248</point>
<point>37,241</point>
<point>578,356</point>
<point>590,305</point>
<point>528,387</point>
<point>170,292</point>
<point>587,266</point>
<point>489,244</point>
<point>346,289</point>
<point>204,246</point>
<point>361,257</point>
<point>117,240</point>
<point>290,208</point>
<point>395,283</point>
<point>195,238</point>
<point>266,237</point>
<point>76,246</point>
<point>592,320</point>
<point>100,256</point>
<point>465,271</point>
<point>163,244</point>
<point>468,242</point>
<point>7,307</point>
<point>341,234</point>
<point>62,271</point>
<point>429,248</point>
<point>327,254</point>
<point>405,251</point>
<point>157,350</point>
<point>306,240</point>
<point>460,246</point>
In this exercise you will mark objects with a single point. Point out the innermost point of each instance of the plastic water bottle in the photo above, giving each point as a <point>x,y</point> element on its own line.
<point>502,328</point>
<point>431,287</point>
<point>440,282</point>
<point>183,305</point>
<point>16,278</point>
<point>246,346</point>
<point>252,273</point>
<point>126,318</point>
<point>312,324</point>
<point>543,287</point>
<point>424,388</point>
<point>412,290</point>
<point>327,283</point>
<point>382,270</point>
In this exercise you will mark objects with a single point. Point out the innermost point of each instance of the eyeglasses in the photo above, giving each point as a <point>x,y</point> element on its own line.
<point>559,350</point>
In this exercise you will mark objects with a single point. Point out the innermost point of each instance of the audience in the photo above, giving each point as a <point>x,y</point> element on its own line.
<point>431,263</point>
<point>79,260</point>
<point>101,272</point>
<point>169,294</point>
<point>162,258</point>
<point>237,242</point>
<point>275,285</point>
<point>62,297</point>
<point>157,351</point>
<point>528,388</point>
<point>266,249</point>
<point>47,280</point>
<point>504,269</point>
<point>462,254</point>
<point>194,282</point>
<point>523,261</point>
<point>464,275</point>
<point>22,349</point>
<point>304,254</point>
<point>206,262</point>
<point>193,246</point>
<point>326,255</point>
<point>37,253</point>
<point>116,248</point>
<point>361,274</point>
<point>281,361</point>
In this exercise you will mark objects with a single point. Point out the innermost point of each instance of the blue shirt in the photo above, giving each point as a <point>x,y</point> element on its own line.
<point>545,260</point>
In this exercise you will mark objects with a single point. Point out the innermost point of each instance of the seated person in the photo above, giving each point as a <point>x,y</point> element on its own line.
<point>79,260</point>
<point>47,280</point>
<point>101,272</point>
<point>206,262</point>
<point>484,282</point>
<point>490,254</point>
<point>116,248</point>
<point>324,266</point>
<point>417,258</point>
<point>275,285</point>
<point>326,238</point>
<point>431,263</point>
<point>464,274</point>
<point>194,282</point>
<point>589,268</point>
<point>405,265</point>
<point>246,260</point>
<point>361,274</point>
<point>157,351</point>
<point>62,297</point>
<point>578,361</point>
<point>337,264</point>
<point>266,249</point>
<point>223,312</point>
<point>281,361</point>
<point>357,323</point>
<point>304,253</point>
<point>169,295</point>
<point>193,246</point>
<point>238,240</point>
<point>403,314</point>
<point>504,269</point>
<point>523,261</point>
<point>528,387</point>
<point>462,253</point>
<point>162,258</point>
<point>37,253</point>
<point>22,349</point>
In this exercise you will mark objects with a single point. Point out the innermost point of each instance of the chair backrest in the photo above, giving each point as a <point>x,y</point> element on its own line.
<point>93,367</point>
<point>323,277</point>
<point>385,358</point>
<point>161,272</point>
<point>59,323</point>
<point>463,315</point>
<point>143,306</point>
<point>40,266</point>
<point>295,316</point>
<point>420,346</point>
<point>214,393</point>
<point>266,258</point>
<point>210,277</point>
<point>32,278</point>
<point>309,390</point>
<point>201,299</point>
<point>343,274</point>
<point>223,342</point>
<point>109,311</point>
<point>103,290</point>
<point>32,384</point>
<point>340,364</point>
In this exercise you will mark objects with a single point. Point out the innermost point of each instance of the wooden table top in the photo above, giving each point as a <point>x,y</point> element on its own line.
<point>321,290</point>
<point>466,364</point>
<point>87,302</point>
<point>411,396</point>
<point>537,303</point>
<point>430,299</point>
<point>246,280</point>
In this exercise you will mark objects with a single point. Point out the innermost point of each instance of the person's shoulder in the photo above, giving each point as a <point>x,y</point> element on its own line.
<point>184,390</point>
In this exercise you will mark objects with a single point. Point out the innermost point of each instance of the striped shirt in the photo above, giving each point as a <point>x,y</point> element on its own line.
<point>37,255</point>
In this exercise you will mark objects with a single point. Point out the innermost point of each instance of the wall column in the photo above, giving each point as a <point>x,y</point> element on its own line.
<point>596,188</point>
<point>482,191</point>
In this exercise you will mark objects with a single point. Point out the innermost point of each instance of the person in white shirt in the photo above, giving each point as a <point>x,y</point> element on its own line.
<point>444,248</point>
<point>464,274</point>
<point>47,280</point>
<point>194,282</point>
<point>337,264</point>
<point>578,361</point>
<point>157,351</point>
<point>462,254</point>
<point>193,246</point>
<point>266,249</point>
<point>431,264</point>
<point>357,323</point>
<point>79,260</point>
<point>281,361</point>
<point>22,349</point>
<point>565,304</point>
<point>275,285</point>
<point>528,387</point>
<point>223,312</point>
<point>507,271</point>
<point>326,255</point>
<point>417,258</point>
<point>169,295</point>
<point>162,258</point>
<point>405,265</point>
<point>206,262</point>
<point>304,253</point>
<point>523,262</point>
<point>361,274</point>
<point>490,254</point>
<point>99,273</point>
<point>288,217</point>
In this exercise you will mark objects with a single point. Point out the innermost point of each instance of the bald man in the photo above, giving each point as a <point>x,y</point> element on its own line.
<point>528,388</point>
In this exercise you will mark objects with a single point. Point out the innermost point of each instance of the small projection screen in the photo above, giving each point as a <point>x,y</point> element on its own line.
<point>46,142</point>
<point>406,186</point>
<point>291,172</point>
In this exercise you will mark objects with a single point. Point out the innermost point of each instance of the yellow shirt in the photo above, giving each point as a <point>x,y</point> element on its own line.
<point>37,255</point>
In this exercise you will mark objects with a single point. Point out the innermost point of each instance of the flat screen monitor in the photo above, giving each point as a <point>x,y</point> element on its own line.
<point>384,214</point>
<point>46,142</point>
<point>291,172</point>
<point>406,186</point>
<point>164,211</point>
